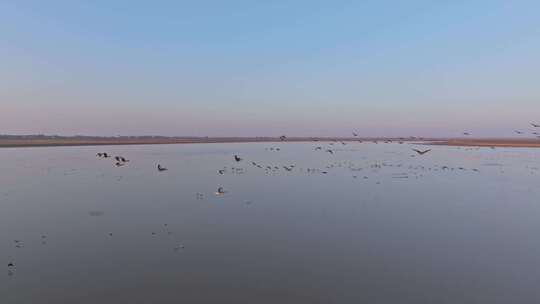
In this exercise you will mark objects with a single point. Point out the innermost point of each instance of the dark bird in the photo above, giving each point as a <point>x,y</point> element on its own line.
<point>466,133</point>
<point>354,134</point>
<point>99,155</point>
<point>220,191</point>
<point>221,171</point>
<point>121,159</point>
<point>160,168</point>
<point>318,148</point>
<point>421,152</point>
<point>518,132</point>
<point>282,137</point>
<point>330,151</point>
<point>119,164</point>
<point>11,265</point>
<point>535,125</point>
<point>287,168</point>
<point>237,158</point>
<point>105,155</point>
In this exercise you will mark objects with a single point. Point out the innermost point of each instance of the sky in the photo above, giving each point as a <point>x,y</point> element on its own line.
<point>266,68</point>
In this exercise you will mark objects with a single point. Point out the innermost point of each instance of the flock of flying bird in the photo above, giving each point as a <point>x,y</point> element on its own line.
<point>121,161</point>
<point>519,132</point>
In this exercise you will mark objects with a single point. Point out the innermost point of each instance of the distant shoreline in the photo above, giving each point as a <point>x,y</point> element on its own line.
<point>22,142</point>
<point>116,141</point>
<point>500,143</point>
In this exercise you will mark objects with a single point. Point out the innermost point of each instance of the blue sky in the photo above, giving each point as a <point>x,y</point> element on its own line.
<point>217,68</point>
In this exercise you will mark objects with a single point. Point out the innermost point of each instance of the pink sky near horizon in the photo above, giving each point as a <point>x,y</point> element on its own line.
<point>418,68</point>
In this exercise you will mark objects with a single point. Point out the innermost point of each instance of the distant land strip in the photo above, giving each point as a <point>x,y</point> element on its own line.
<point>484,142</point>
<point>12,141</point>
<point>20,141</point>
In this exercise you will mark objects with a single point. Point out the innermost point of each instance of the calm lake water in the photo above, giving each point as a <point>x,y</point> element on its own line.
<point>371,223</point>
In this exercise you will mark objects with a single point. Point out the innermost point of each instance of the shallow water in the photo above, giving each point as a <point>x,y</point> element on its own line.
<point>380,226</point>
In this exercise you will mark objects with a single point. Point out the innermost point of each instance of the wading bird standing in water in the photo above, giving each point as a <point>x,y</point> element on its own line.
<point>220,191</point>
<point>121,159</point>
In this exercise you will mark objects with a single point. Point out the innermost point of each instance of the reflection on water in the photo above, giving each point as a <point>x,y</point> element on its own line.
<point>292,223</point>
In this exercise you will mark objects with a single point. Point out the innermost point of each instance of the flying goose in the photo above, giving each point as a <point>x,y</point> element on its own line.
<point>421,152</point>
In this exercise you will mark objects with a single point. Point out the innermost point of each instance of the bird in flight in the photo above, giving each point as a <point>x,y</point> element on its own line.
<point>421,152</point>
<point>160,168</point>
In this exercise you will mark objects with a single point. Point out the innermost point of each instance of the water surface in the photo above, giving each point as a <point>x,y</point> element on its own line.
<point>371,223</point>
